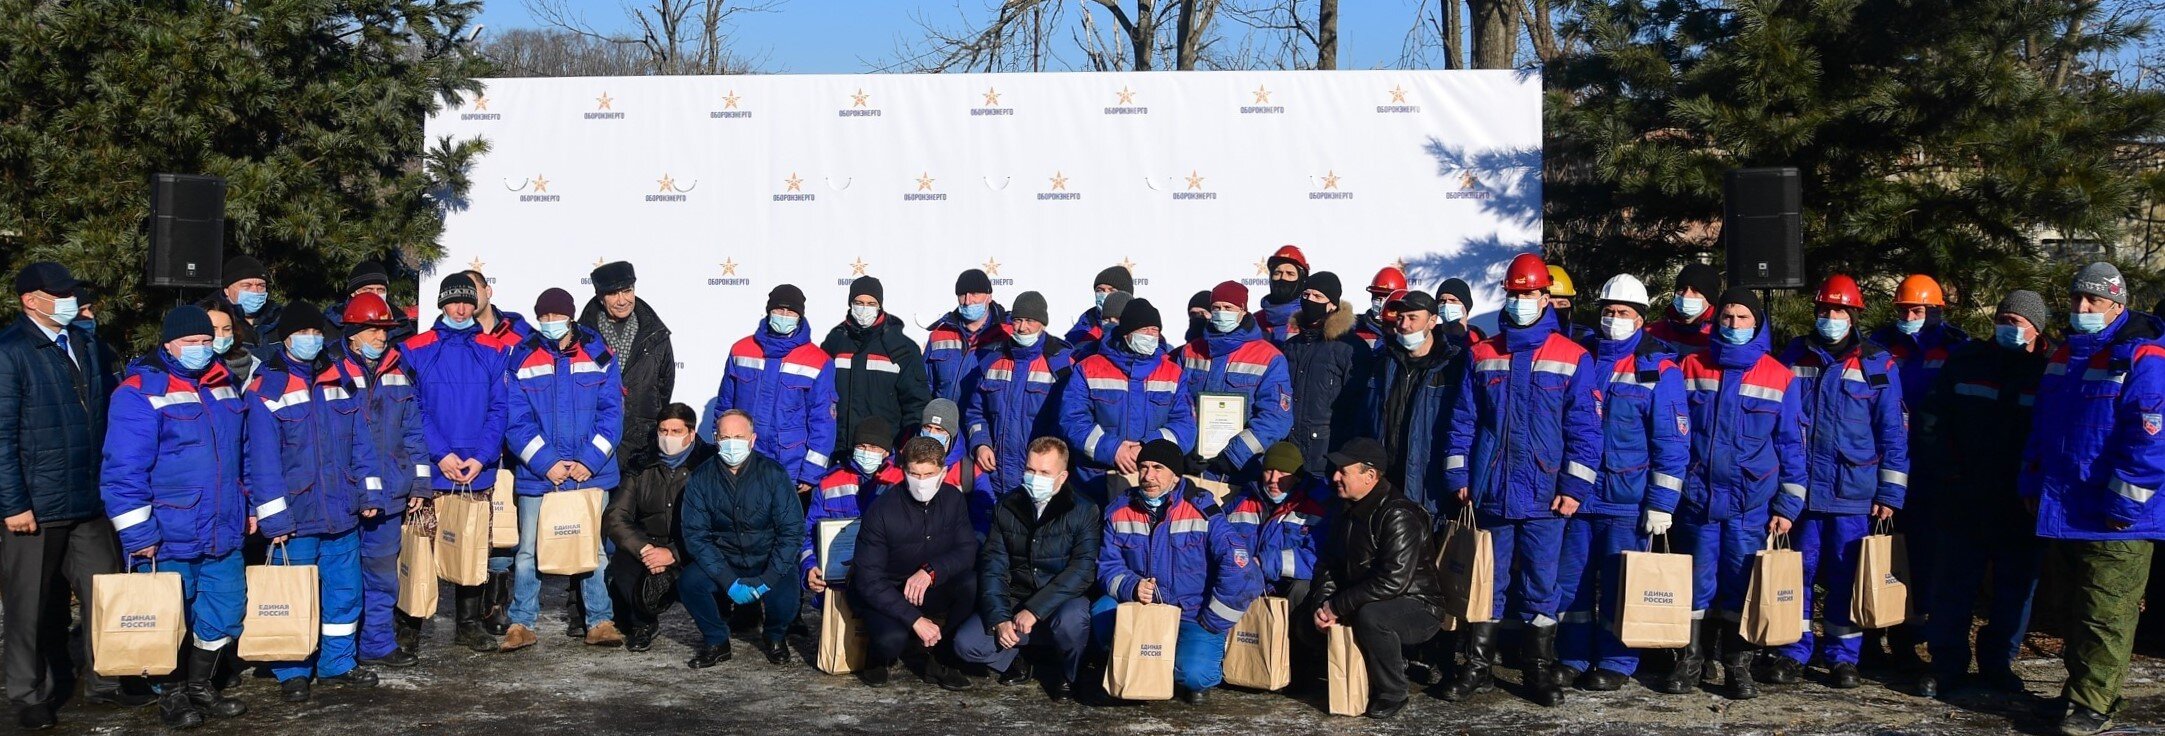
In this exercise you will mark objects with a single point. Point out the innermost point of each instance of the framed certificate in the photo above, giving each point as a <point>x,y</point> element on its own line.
<point>1219,417</point>
<point>837,546</point>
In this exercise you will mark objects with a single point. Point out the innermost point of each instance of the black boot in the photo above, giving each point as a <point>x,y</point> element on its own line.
<point>202,691</point>
<point>177,711</point>
<point>1685,675</point>
<point>406,632</point>
<point>498,619</point>
<point>1474,678</point>
<point>1541,671</point>
<point>1737,657</point>
<point>471,605</point>
<point>575,613</point>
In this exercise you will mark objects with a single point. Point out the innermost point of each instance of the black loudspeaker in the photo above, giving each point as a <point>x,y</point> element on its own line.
<point>187,230</point>
<point>1763,227</point>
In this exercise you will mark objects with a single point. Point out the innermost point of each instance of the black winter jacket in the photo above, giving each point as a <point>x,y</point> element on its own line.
<point>1323,365</point>
<point>879,372</point>
<point>899,536</point>
<point>1377,550</point>
<point>643,510</point>
<point>746,524</point>
<point>1037,563</point>
<point>650,377</point>
<point>52,424</point>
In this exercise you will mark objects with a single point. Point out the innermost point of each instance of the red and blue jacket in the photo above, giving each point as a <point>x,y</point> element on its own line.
<point>1747,434</point>
<point>1686,336</point>
<point>843,494</point>
<point>188,461</point>
<point>785,383</point>
<point>1007,402</point>
<point>952,348</point>
<point>1371,330</point>
<point>1645,427</point>
<point>324,450</point>
<point>392,415</point>
<point>1530,410</point>
<point>459,378</point>
<point>1242,362</point>
<point>564,406</point>
<point>1089,327</point>
<point>1920,357</point>
<point>1856,429</point>
<point>1277,320</point>
<point>2095,459</point>
<point>1284,535</point>
<point>1117,396</point>
<point>1201,563</point>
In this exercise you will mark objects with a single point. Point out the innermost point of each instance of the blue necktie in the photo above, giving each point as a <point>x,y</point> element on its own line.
<point>62,340</point>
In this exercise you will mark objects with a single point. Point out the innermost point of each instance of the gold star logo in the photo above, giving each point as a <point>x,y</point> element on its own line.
<point>795,184</point>
<point>1467,182</point>
<point>481,103</point>
<point>667,184</point>
<point>992,97</point>
<point>1330,180</point>
<point>599,262</point>
<point>858,100</point>
<point>729,100</point>
<point>1127,264</point>
<point>857,267</point>
<point>476,264</point>
<point>1262,96</point>
<point>992,266</point>
<point>1262,266</point>
<point>1126,97</point>
<point>1195,181</point>
<point>729,267</point>
<point>924,181</point>
<point>541,185</point>
<point>1398,93</point>
<point>602,102</point>
<point>1059,182</point>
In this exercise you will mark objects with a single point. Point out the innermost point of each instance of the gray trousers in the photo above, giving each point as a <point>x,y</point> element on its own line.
<point>36,573</point>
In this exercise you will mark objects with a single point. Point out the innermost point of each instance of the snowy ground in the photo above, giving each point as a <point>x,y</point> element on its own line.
<point>562,687</point>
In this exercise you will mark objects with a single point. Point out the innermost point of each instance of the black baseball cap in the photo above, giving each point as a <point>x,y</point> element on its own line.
<point>46,276</point>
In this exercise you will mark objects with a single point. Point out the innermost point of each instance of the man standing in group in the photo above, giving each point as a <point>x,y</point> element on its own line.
<point>916,560</point>
<point>782,380</point>
<point>2091,472</point>
<point>1411,391</point>
<point>1525,440</point>
<point>1288,271</point>
<point>52,431</point>
<point>1921,340</point>
<point>1091,325</point>
<point>248,290</point>
<point>1375,327</point>
<point>1127,394</point>
<point>742,524</point>
<point>1234,358</point>
<point>371,277</point>
<point>1375,574</point>
<point>1687,324</point>
<point>381,376</point>
<point>953,342</point>
<point>1006,401</point>
<point>459,377</point>
<point>644,354</point>
<point>1321,362</point>
<point>1035,571</point>
<point>878,371</point>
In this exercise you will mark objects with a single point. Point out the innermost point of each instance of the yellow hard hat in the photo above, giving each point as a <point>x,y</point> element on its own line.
<point>1561,283</point>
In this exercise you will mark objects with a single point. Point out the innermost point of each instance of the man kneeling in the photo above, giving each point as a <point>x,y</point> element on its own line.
<point>1038,562</point>
<point>1373,575</point>
<point>915,568</point>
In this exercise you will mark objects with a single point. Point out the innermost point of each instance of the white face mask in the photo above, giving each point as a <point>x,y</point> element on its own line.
<point>1453,311</point>
<point>1412,340</point>
<point>1617,328</point>
<point>673,444</point>
<point>1143,344</point>
<point>863,315</point>
<point>1523,311</point>
<point>1040,487</point>
<point>1690,306</point>
<point>923,489</point>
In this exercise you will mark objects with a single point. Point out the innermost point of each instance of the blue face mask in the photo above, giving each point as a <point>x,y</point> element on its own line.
<point>1833,329</point>
<point>1142,344</point>
<point>196,357</point>
<point>1690,306</point>
<point>1100,296</point>
<point>1149,501</point>
<point>735,450</point>
<point>221,344</point>
<point>1909,326</point>
<point>253,301</point>
<point>868,461</point>
<point>1029,340</point>
<point>2088,323</point>
<point>304,347</point>
<point>1523,311</point>
<point>1453,312</point>
<point>1224,320</point>
<point>1039,487</point>
<point>934,435</point>
<point>782,324</point>
<point>1736,335</point>
<point>85,324</point>
<point>2010,337</point>
<point>371,352</point>
<point>971,312</point>
<point>554,329</point>
<point>459,324</point>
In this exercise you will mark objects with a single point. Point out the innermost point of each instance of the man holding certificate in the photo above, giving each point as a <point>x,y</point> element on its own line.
<point>1242,388</point>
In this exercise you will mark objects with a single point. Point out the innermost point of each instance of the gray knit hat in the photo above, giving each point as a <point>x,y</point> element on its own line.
<point>2027,305</point>
<point>1115,302</point>
<point>1030,305</point>
<point>2101,279</point>
<point>943,413</point>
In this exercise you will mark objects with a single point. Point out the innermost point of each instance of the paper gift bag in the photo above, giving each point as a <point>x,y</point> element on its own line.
<point>503,513</point>
<point>1144,637</point>
<point>283,617</point>
<point>137,623</point>
<point>841,636</point>
<point>1258,655</point>
<point>462,538</point>
<point>568,538</point>
<point>1774,601</point>
<point>1469,571</point>
<point>417,564</point>
<point>1348,673</point>
<point>1655,610</point>
<point>1881,596</point>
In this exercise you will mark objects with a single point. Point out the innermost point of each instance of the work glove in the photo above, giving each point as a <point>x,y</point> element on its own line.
<point>1657,522</point>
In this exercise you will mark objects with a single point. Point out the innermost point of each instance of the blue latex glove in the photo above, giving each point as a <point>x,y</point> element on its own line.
<point>742,594</point>
<point>761,591</point>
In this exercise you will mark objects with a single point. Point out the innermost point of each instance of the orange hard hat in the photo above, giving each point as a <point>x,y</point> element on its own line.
<point>1920,289</point>
<point>1527,273</point>
<point>1388,280</point>
<point>367,310</point>
<point>1840,291</point>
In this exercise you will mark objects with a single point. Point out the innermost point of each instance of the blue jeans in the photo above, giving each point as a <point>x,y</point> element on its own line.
<point>379,584</point>
<point>1829,544</point>
<point>2015,555</point>
<point>216,591</point>
<point>703,598</point>
<point>1198,657</point>
<point>337,558</point>
<point>526,578</point>
<point>1068,626</point>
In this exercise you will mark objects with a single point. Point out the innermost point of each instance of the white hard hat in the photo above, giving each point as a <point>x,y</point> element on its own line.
<point>1624,289</point>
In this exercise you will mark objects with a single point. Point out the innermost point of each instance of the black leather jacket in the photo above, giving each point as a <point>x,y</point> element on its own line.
<point>1377,550</point>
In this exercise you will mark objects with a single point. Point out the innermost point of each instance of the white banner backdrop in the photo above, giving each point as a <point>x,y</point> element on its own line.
<point>719,188</point>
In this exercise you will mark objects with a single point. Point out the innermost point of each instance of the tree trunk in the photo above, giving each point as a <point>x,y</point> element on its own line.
<point>1454,28</point>
<point>1145,35</point>
<point>1540,30</point>
<point>1327,35</point>
<point>1495,33</point>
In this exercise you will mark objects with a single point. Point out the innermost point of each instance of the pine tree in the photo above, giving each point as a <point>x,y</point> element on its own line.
<point>310,109</point>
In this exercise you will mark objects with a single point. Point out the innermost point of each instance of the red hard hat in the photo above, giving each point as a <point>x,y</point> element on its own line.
<point>1289,253</point>
<point>1527,273</point>
<point>1840,291</point>
<point>367,310</point>
<point>1390,315</point>
<point>1388,280</point>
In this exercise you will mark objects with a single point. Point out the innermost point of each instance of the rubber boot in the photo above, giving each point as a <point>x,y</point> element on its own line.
<point>470,607</point>
<point>202,691</point>
<point>575,613</point>
<point>1689,665</point>
<point>1474,677</point>
<point>498,619</point>
<point>1737,665</point>
<point>1543,675</point>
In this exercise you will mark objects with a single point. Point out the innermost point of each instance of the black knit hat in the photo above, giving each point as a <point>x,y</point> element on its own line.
<point>1030,305</point>
<point>1137,315</point>
<point>1700,277</point>
<point>867,286</point>
<point>554,301</point>
<point>369,273</point>
<point>612,277</point>
<point>1745,298</point>
<point>1117,277</point>
<point>874,431</point>
<point>242,267</point>
<point>973,281</point>
<point>1326,283</point>
<point>301,316</point>
<point>1201,300</point>
<point>186,320</point>
<point>1456,287</point>
<point>786,296</point>
<point>454,289</point>
<point>1164,452</point>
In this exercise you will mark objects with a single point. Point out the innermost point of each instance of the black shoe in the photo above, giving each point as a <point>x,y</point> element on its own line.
<point>202,666</point>
<point>295,690</point>
<point>1779,669</point>
<point>397,658</point>
<point>1193,697</point>
<point>1603,681</point>
<point>1017,673</point>
<point>948,678</point>
<point>777,651</point>
<point>1843,676</point>
<point>1566,674</point>
<point>1474,678</point>
<point>496,600</point>
<point>639,638</point>
<point>874,676</point>
<point>2081,721</point>
<point>125,696</point>
<point>470,606</point>
<point>709,656</point>
<point>177,711</point>
<point>35,717</point>
<point>1058,690</point>
<point>355,677</point>
<point>575,614</point>
<point>1928,686</point>
<point>1380,709</point>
